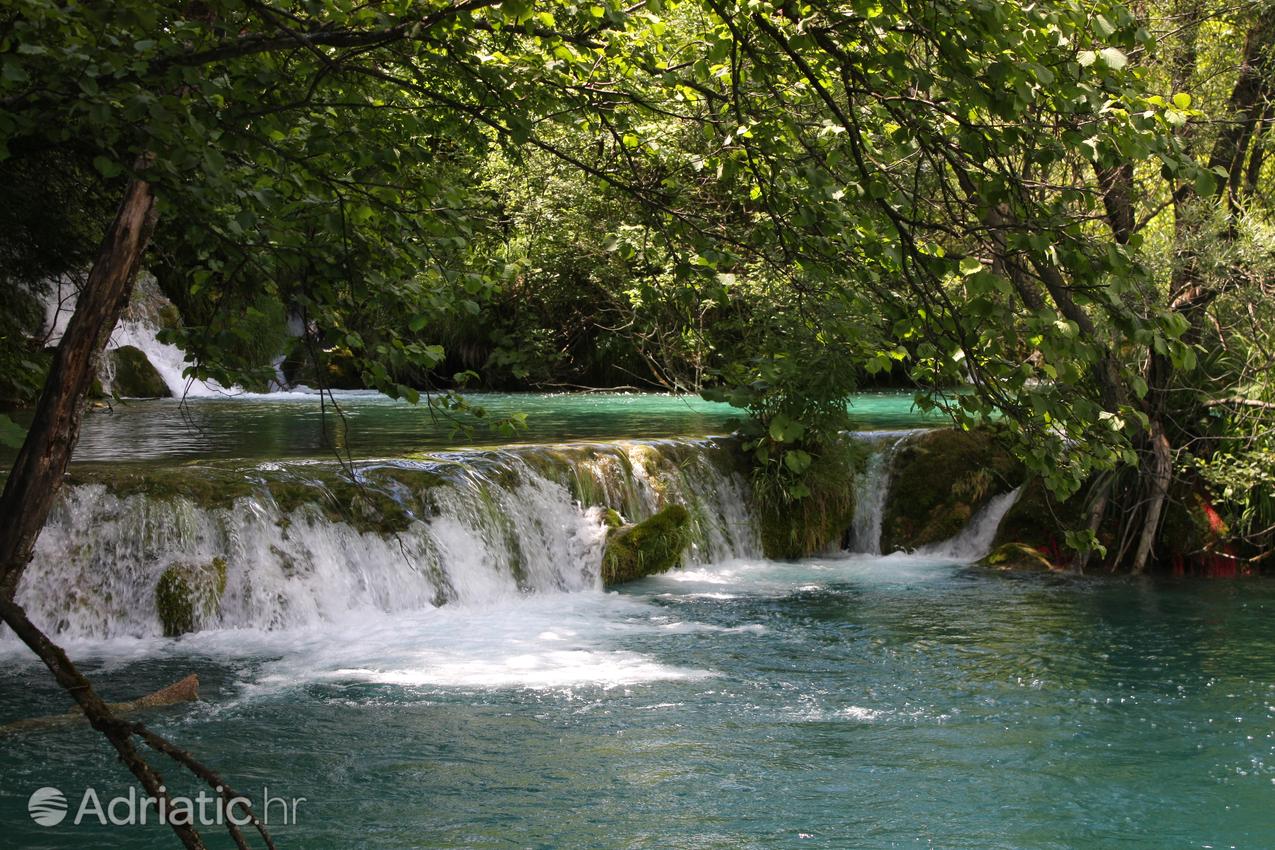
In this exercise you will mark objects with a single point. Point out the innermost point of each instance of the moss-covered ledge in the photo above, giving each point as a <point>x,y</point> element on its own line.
<point>654,545</point>
<point>939,480</point>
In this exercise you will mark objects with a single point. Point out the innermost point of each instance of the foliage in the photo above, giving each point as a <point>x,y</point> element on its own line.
<point>805,503</point>
<point>773,202</point>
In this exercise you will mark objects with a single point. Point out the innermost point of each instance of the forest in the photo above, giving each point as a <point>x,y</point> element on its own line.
<point>1046,226</point>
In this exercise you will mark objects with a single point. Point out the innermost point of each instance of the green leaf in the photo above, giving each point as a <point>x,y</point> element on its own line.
<point>1205,183</point>
<point>777,428</point>
<point>1114,58</point>
<point>797,461</point>
<point>107,167</point>
<point>11,433</point>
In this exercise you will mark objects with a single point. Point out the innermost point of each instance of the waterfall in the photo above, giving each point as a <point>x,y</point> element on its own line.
<point>139,327</point>
<point>169,360</point>
<point>300,543</point>
<point>975,540</point>
<point>462,527</point>
<point>871,489</point>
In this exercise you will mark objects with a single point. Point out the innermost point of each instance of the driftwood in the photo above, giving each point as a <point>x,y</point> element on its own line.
<point>187,690</point>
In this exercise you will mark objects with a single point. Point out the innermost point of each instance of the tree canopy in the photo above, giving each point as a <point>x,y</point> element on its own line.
<point>1052,217</point>
<point>771,202</point>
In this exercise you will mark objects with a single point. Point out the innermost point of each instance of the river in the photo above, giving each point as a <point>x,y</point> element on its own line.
<point>848,701</point>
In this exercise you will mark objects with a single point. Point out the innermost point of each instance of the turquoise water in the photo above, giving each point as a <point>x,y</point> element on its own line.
<point>843,703</point>
<point>847,702</point>
<point>368,424</point>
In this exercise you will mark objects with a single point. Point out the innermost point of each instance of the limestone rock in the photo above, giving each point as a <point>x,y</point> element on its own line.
<point>652,546</point>
<point>134,376</point>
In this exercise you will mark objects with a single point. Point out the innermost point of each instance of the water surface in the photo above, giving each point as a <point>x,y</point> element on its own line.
<point>854,702</point>
<point>367,424</point>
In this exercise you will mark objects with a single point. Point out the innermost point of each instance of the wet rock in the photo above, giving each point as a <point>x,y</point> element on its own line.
<point>652,546</point>
<point>188,595</point>
<point>134,376</point>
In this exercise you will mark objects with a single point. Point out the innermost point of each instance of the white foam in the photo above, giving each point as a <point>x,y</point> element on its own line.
<point>860,713</point>
<point>975,540</point>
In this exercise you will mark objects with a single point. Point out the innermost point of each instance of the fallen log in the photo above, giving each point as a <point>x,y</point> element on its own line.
<point>186,690</point>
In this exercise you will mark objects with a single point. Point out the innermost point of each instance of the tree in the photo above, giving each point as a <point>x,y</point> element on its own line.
<point>804,194</point>
<point>929,180</point>
<point>296,146</point>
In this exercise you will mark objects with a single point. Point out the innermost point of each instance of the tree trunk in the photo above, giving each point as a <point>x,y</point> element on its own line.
<point>1248,101</point>
<point>1158,478</point>
<point>1116,183</point>
<point>185,690</point>
<point>38,471</point>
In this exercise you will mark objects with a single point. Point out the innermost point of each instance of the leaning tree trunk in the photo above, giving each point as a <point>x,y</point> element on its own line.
<point>37,473</point>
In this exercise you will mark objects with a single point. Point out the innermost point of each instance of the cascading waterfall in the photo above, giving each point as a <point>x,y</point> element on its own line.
<point>464,527</point>
<point>169,360</point>
<point>138,328</point>
<point>872,488</point>
<point>300,543</point>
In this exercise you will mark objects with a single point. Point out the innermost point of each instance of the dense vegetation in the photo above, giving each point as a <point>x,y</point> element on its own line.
<point>1053,215</point>
<point>1059,206</point>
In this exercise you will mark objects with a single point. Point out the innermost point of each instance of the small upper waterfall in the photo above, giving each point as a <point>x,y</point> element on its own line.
<point>139,328</point>
<point>872,488</point>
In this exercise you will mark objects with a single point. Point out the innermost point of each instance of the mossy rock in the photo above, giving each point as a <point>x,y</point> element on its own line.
<point>1019,556</point>
<point>168,317</point>
<point>939,480</point>
<point>807,526</point>
<point>798,528</point>
<point>188,595</point>
<point>134,376</point>
<point>652,546</point>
